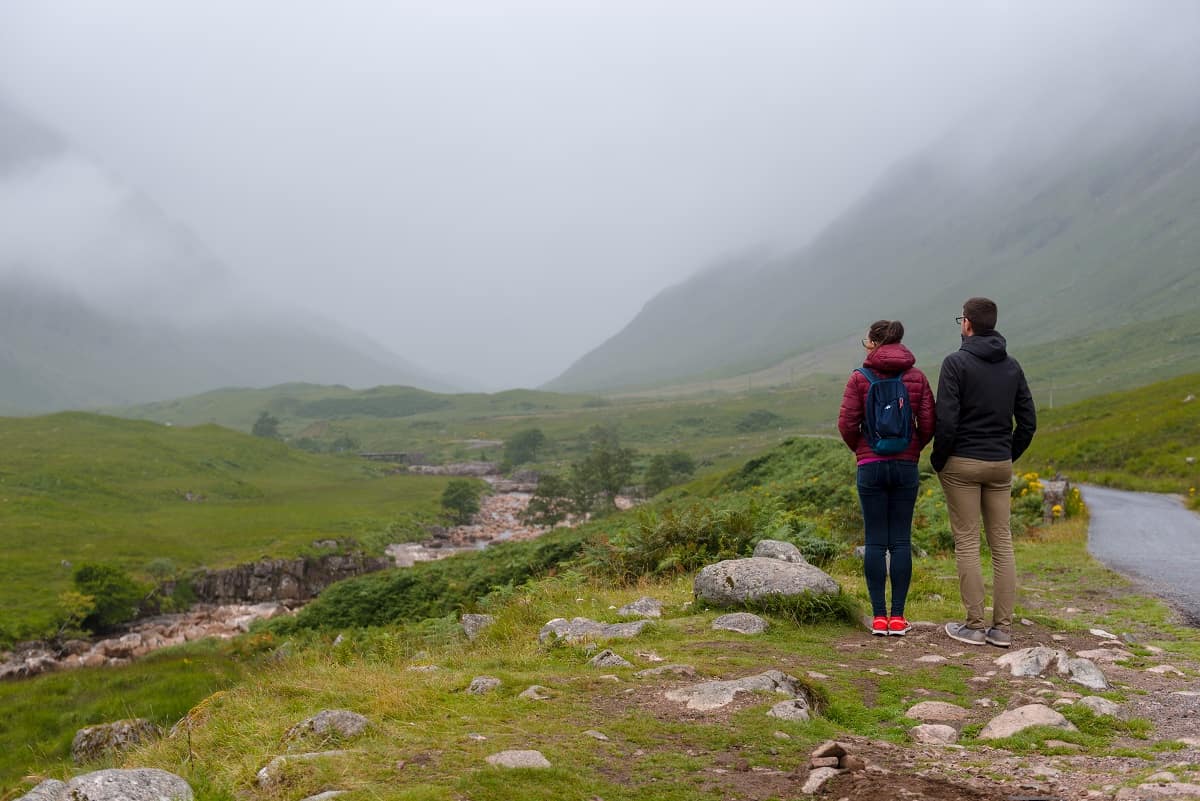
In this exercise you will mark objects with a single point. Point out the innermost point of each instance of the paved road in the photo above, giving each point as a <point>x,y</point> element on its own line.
<point>1150,537</point>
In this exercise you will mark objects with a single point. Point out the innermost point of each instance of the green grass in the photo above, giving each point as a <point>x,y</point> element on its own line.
<point>85,488</point>
<point>1135,439</point>
<point>42,714</point>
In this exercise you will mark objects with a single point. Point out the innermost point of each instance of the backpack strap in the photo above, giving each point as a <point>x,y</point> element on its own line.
<point>866,374</point>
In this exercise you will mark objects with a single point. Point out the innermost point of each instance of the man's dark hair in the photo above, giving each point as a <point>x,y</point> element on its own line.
<point>886,332</point>
<point>982,314</point>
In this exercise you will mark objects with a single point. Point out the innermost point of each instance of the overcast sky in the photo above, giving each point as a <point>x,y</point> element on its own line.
<point>493,188</point>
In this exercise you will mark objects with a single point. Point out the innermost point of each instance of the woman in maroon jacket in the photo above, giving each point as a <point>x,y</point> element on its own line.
<point>887,485</point>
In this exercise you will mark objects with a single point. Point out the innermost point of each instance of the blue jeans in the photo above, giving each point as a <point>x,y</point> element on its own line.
<point>888,491</point>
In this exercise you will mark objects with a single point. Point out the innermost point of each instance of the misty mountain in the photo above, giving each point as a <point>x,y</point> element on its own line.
<point>1071,229</point>
<point>105,300</point>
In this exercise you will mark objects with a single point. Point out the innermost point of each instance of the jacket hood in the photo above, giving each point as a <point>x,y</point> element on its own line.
<point>990,346</point>
<point>890,359</point>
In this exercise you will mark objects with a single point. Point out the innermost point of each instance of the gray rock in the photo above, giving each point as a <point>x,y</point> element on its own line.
<point>1037,660</point>
<point>1184,791</point>
<point>716,694</point>
<point>937,710</point>
<point>795,710</point>
<point>831,748</point>
<point>1009,723</point>
<point>140,784</point>
<point>474,624</point>
<point>325,796</point>
<point>1101,706</point>
<point>687,671</point>
<point>816,778</point>
<point>608,659</point>
<point>94,742</point>
<point>483,684</point>
<point>784,551</point>
<point>642,607</point>
<point>1104,654</point>
<point>738,581</point>
<point>597,735</point>
<point>741,622</point>
<point>536,692</point>
<point>270,773</point>
<point>933,734</point>
<point>519,759</point>
<point>580,629</point>
<point>49,790</point>
<point>330,723</point>
<point>1162,777</point>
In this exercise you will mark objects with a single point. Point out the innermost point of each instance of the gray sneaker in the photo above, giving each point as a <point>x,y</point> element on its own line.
<point>960,632</point>
<point>998,637</point>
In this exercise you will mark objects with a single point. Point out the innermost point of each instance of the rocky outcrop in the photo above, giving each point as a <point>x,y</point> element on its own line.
<point>284,580</point>
<point>93,742</point>
<point>581,628</point>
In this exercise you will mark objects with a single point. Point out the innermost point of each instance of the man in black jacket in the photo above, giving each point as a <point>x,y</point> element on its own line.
<point>980,392</point>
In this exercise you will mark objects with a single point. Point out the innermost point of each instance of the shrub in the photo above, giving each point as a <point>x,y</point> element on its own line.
<point>523,446</point>
<point>668,469</point>
<point>758,420</point>
<point>116,597</point>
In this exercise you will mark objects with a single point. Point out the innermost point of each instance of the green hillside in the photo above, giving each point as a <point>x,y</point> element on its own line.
<point>85,488</point>
<point>1136,439</point>
<point>1100,232</point>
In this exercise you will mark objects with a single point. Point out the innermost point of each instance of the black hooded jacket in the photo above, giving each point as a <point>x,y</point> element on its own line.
<point>980,391</point>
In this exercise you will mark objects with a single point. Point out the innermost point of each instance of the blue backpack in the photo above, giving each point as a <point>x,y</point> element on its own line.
<point>887,418</point>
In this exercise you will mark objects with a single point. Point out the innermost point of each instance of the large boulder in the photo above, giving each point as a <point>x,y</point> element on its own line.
<point>1039,659</point>
<point>93,742</point>
<point>1016,720</point>
<point>738,581</point>
<point>140,784</point>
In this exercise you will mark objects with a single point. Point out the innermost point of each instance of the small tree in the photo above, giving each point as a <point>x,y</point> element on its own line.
<point>605,470</point>
<point>552,502</point>
<point>668,469</point>
<point>461,499</point>
<point>267,425</point>
<point>523,446</point>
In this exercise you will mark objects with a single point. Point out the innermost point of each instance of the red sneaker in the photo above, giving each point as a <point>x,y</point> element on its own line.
<point>879,626</point>
<point>898,626</point>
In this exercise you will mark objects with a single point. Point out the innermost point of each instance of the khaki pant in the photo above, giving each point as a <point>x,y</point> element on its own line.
<point>974,487</point>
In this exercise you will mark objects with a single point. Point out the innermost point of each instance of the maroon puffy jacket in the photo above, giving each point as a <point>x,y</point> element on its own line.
<point>886,361</point>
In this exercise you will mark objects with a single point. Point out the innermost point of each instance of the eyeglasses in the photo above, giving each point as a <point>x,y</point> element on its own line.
<point>959,320</point>
<point>866,343</point>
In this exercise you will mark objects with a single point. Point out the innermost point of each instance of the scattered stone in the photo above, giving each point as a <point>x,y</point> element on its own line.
<point>986,703</point>
<point>879,671</point>
<point>269,774</point>
<point>830,748</point>
<point>716,694</point>
<point>596,735</point>
<point>1045,772</point>
<point>93,742</point>
<point>1190,742</point>
<point>1102,633</point>
<point>1164,670</point>
<point>932,659</point>
<point>476,737</point>
<point>784,551</point>
<point>1009,723</point>
<point>481,685</point>
<point>1058,638</point>
<point>1037,660</point>
<point>937,710</point>
<point>853,763</point>
<point>325,796</point>
<point>1162,777</point>
<point>340,722</point>
<point>738,581</point>
<point>423,668</point>
<point>1154,649</point>
<point>519,759</point>
<point>1101,706</point>
<point>817,777</point>
<point>536,692</point>
<point>1182,790</point>
<point>933,734</point>
<point>579,629</point>
<point>1026,621</point>
<point>687,671</point>
<point>781,735</point>
<point>741,622</point>
<point>474,624</point>
<point>824,762</point>
<point>608,659</point>
<point>642,607</point>
<point>649,656</point>
<point>1104,654</point>
<point>795,710</point>
<point>812,674</point>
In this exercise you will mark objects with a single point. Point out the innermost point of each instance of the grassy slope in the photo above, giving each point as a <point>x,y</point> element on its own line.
<point>1137,439</point>
<point>81,487</point>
